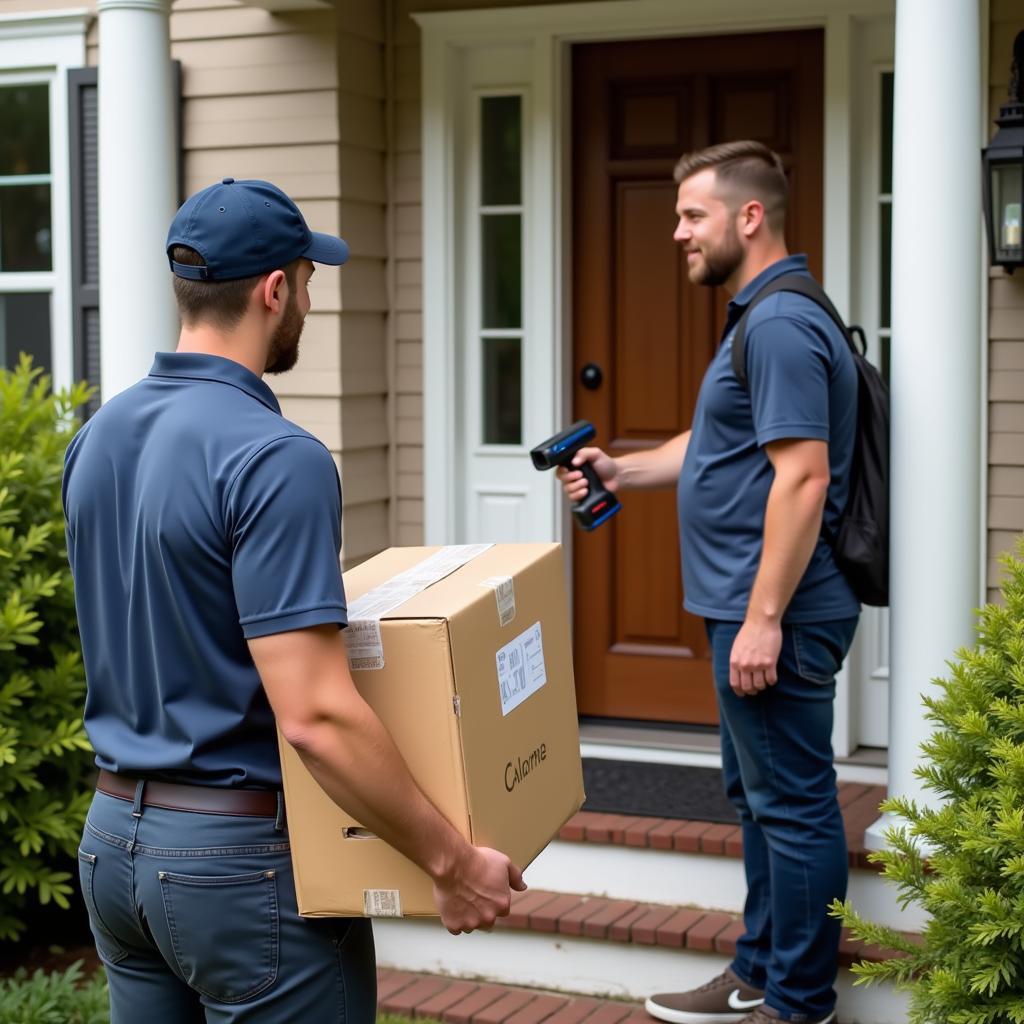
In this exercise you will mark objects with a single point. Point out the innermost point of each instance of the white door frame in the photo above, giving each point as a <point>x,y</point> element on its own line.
<point>549,32</point>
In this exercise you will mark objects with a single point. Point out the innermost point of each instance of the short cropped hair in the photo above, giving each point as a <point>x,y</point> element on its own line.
<point>745,170</point>
<point>221,303</point>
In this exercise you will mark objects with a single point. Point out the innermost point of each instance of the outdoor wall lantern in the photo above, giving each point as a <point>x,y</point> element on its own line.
<point>1003,172</point>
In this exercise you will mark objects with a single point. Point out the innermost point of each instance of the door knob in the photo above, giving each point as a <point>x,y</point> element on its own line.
<point>591,376</point>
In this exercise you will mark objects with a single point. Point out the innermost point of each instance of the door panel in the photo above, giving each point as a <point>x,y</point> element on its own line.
<point>645,351</point>
<point>637,107</point>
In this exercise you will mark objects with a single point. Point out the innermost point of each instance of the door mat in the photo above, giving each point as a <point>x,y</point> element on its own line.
<point>646,790</point>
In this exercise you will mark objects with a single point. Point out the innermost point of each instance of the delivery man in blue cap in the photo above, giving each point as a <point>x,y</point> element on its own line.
<point>203,531</point>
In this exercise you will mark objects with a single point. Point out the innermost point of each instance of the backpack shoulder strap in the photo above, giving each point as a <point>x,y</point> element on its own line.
<point>802,285</point>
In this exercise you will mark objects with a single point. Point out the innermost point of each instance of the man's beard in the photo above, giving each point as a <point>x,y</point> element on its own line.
<point>284,345</point>
<point>719,263</point>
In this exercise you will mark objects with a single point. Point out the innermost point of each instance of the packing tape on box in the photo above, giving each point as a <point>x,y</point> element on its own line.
<point>504,595</point>
<point>363,637</point>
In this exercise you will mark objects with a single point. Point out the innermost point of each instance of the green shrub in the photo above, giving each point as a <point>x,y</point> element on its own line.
<point>45,764</point>
<point>63,997</point>
<point>969,968</point>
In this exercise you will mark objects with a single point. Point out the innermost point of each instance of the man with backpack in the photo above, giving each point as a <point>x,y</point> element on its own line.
<point>763,479</point>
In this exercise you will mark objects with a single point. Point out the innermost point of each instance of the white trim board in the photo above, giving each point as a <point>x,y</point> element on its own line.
<point>635,19</point>
<point>42,24</point>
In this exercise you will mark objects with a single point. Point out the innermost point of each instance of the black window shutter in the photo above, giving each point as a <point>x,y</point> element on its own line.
<point>85,228</point>
<point>85,223</point>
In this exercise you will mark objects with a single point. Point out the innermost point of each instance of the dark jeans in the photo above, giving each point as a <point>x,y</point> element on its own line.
<point>777,765</point>
<point>195,920</point>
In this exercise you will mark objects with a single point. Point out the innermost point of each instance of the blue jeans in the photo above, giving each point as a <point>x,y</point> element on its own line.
<point>195,920</point>
<point>777,767</point>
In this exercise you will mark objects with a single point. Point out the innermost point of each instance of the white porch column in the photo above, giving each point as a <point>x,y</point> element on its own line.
<point>936,296</point>
<point>138,160</point>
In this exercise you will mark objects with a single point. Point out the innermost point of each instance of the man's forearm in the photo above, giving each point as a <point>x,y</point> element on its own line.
<point>351,754</point>
<point>657,467</point>
<point>792,524</point>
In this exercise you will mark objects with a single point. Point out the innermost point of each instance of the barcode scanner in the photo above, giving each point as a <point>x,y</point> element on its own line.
<point>600,504</point>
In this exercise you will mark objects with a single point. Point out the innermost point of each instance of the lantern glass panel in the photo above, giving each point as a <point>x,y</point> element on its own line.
<point>1007,200</point>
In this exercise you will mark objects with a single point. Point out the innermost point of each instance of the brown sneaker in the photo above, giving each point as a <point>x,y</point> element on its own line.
<point>723,1000</point>
<point>766,1015</point>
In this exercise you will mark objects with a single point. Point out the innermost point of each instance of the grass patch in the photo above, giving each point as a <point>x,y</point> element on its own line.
<point>72,996</point>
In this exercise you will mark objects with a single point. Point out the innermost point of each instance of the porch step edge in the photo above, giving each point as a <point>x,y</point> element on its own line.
<point>649,924</point>
<point>457,1001</point>
<point>857,801</point>
<point>578,966</point>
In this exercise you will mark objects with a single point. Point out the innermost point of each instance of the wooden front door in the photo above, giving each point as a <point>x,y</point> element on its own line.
<point>637,107</point>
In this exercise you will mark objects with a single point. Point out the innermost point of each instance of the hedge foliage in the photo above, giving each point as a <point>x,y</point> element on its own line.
<point>962,860</point>
<point>46,766</point>
<point>60,997</point>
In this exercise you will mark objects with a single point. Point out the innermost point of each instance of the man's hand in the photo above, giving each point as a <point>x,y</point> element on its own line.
<point>575,483</point>
<point>753,664</point>
<point>477,890</point>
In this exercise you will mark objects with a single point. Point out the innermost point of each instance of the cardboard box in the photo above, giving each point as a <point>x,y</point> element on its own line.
<point>465,654</point>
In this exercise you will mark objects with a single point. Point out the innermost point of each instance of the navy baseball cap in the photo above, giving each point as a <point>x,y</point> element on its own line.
<point>244,229</point>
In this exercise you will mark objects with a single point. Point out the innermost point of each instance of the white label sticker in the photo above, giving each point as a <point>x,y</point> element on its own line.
<point>505,595</point>
<point>382,903</point>
<point>362,639</point>
<point>365,649</point>
<point>521,670</point>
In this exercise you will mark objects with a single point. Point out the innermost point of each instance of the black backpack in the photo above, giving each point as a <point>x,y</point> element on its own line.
<point>861,541</point>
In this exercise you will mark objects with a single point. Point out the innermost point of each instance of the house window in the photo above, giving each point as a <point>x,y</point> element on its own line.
<point>26,231</point>
<point>885,225</point>
<point>501,268</point>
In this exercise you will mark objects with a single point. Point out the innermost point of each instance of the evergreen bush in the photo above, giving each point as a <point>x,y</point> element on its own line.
<point>962,861</point>
<point>46,770</point>
<point>60,997</point>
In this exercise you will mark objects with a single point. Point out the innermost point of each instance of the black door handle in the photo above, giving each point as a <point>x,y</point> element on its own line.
<point>591,376</point>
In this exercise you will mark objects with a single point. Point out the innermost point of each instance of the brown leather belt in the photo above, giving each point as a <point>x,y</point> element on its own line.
<point>256,803</point>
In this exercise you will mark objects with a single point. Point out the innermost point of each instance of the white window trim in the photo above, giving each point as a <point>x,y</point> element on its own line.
<point>42,47</point>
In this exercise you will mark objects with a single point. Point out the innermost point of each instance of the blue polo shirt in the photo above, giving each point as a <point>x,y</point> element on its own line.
<point>802,385</point>
<point>197,518</point>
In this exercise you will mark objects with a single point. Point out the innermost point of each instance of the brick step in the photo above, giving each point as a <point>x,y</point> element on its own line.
<point>646,924</point>
<point>421,996</point>
<point>592,950</point>
<point>858,802</point>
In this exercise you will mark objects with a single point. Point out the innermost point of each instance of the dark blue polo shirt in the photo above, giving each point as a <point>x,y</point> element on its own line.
<point>802,385</point>
<point>197,517</point>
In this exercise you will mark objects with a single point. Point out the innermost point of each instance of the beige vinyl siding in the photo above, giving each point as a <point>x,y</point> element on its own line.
<point>30,7</point>
<point>408,269</point>
<point>1006,343</point>
<point>298,98</point>
<point>365,387</point>
<point>408,276</point>
<point>1005,419</point>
